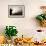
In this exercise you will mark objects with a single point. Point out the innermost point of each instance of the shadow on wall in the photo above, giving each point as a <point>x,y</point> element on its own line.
<point>1,30</point>
<point>34,22</point>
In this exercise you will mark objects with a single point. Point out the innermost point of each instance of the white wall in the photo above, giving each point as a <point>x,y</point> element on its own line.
<point>26,25</point>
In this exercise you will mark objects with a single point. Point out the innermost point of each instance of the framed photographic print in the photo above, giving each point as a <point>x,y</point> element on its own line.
<point>16,11</point>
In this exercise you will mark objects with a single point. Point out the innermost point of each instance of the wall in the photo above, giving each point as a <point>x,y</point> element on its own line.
<point>26,25</point>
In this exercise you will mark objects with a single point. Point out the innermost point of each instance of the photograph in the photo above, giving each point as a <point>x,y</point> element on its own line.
<point>16,11</point>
